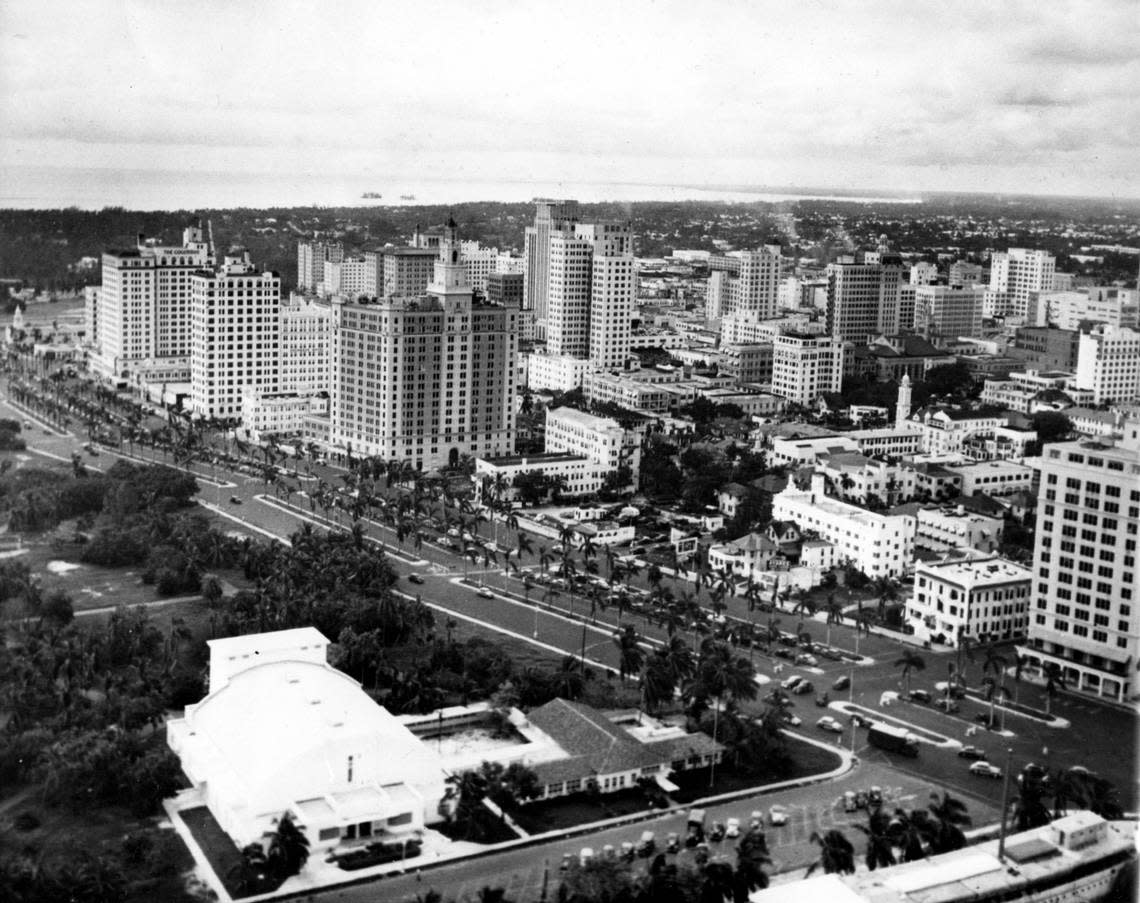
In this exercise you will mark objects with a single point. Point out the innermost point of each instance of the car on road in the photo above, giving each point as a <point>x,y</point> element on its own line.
<point>415,578</point>
<point>732,828</point>
<point>790,683</point>
<point>972,752</point>
<point>234,500</point>
<point>484,593</point>
<point>920,696</point>
<point>985,770</point>
<point>849,804</point>
<point>804,686</point>
<point>828,723</point>
<point>860,720</point>
<point>777,815</point>
<point>805,659</point>
<point>790,718</point>
<point>949,706</point>
<point>842,684</point>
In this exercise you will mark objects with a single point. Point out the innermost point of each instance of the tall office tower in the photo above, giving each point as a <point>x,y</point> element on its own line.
<point>1013,275</point>
<point>962,272</point>
<point>235,333</point>
<point>907,298</point>
<point>863,299</point>
<point>613,290</point>
<point>428,377</point>
<point>806,366</point>
<point>144,302</point>
<point>550,217</point>
<point>91,315</point>
<point>567,295</point>
<point>716,295</point>
<point>1084,559</point>
<point>942,313</point>
<point>1108,363</point>
<point>305,346</point>
<point>924,273</point>
<point>311,259</point>
<point>757,288</point>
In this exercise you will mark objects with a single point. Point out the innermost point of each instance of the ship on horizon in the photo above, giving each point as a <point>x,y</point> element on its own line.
<point>372,195</point>
<point>407,197</point>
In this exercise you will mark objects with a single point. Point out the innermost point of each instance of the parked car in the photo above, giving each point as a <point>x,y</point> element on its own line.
<point>564,865</point>
<point>849,801</point>
<point>828,723</point>
<point>792,682</point>
<point>646,845</point>
<point>875,796</point>
<point>716,832</point>
<point>805,659</point>
<point>860,720</point>
<point>585,856</point>
<point>732,828</point>
<point>756,820</point>
<point>777,815</point>
<point>672,842</point>
<point>842,684</point>
<point>234,500</point>
<point>484,593</point>
<point>860,799</point>
<point>415,578</point>
<point>803,687</point>
<point>920,696</point>
<point>608,851</point>
<point>628,852</point>
<point>947,705</point>
<point>971,752</point>
<point>790,718</point>
<point>985,770</point>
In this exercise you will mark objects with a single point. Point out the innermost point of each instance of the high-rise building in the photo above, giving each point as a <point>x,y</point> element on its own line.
<point>550,216</point>
<point>311,259</point>
<point>942,313</point>
<point>347,277</point>
<point>863,298</point>
<point>1108,364</point>
<point>745,282</point>
<point>480,263</point>
<point>426,377</point>
<point>392,271</point>
<point>1101,304</point>
<point>806,366</point>
<point>591,289</point>
<point>506,288</point>
<point>716,295</point>
<point>1084,565</point>
<point>144,303</point>
<point>963,273</point>
<point>305,346</point>
<point>235,334</point>
<point>1013,275</point>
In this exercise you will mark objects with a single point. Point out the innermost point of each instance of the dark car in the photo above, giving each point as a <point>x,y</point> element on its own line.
<point>971,752</point>
<point>842,684</point>
<point>234,500</point>
<point>415,578</point>
<point>920,696</point>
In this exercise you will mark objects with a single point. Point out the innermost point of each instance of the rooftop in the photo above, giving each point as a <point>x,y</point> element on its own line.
<point>970,573</point>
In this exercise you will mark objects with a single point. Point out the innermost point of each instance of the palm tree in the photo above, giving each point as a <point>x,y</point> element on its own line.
<point>910,661</point>
<point>751,858</point>
<point>995,664</point>
<point>630,654</point>
<point>964,653</point>
<point>1019,663</point>
<point>880,848</point>
<point>836,854</point>
<point>951,817</point>
<point>288,848</point>
<point>887,589</point>
<point>1054,683</point>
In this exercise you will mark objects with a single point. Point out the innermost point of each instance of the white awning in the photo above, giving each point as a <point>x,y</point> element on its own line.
<point>665,784</point>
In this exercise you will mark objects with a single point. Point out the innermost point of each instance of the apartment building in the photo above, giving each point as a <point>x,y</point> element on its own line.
<point>806,366</point>
<point>996,478</point>
<point>855,477</point>
<point>748,363</point>
<point>946,528</point>
<point>1014,276</point>
<point>944,429</point>
<point>963,273</point>
<point>348,277</point>
<point>880,545</point>
<point>1084,565</point>
<point>550,217</point>
<point>1045,348</point>
<point>944,312</point>
<point>428,377</point>
<point>142,311</point>
<point>982,598</point>
<point>1108,364</point>
<point>598,438</point>
<point>636,395</point>
<point>235,336</point>
<point>923,273</point>
<point>392,272</point>
<point>746,282</point>
<point>1101,304</point>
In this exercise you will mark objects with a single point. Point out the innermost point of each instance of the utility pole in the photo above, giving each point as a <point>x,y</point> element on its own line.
<point>1004,803</point>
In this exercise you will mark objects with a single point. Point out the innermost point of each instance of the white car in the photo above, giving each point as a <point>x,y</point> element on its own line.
<point>791,719</point>
<point>985,770</point>
<point>732,827</point>
<point>805,659</point>
<point>484,592</point>
<point>777,815</point>
<point>828,723</point>
<point>791,682</point>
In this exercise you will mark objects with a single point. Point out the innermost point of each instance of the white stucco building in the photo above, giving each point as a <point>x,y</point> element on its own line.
<point>283,731</point>
<point>880,545</point>
<point>1108,364</point>
<point>984,598</point>
<point>806,366</point>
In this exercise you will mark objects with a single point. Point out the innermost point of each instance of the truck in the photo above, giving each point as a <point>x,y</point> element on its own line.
<point>695,828</point>
<point>893,739</point>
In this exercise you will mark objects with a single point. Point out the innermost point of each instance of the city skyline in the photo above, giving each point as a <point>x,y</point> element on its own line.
<point>903,97</point>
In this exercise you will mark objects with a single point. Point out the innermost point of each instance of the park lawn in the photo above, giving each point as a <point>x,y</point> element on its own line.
<point>577,809</point>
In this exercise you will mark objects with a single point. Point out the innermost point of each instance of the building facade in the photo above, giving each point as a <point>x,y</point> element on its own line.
<point>1108,364</point>
<point>425,378</point>
<point>550,217</point>
<point>1084,565</point>
<point>983,598</point>
<point>806,366</point>
<point>1014,276</point>
<point>944,312</point>
<point>235,336</point>
<point>863,299</point>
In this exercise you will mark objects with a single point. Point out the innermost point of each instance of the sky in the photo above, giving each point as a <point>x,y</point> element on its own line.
<point>987,95</point>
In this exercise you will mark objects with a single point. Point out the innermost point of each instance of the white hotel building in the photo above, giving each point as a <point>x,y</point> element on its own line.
<point>235,336</point>
<point>1108,364</point>
<point>880,545</point>
<point>983,598</point>
<point>1084,565</point>
<point>425,378</point>
<point>806,366</point>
